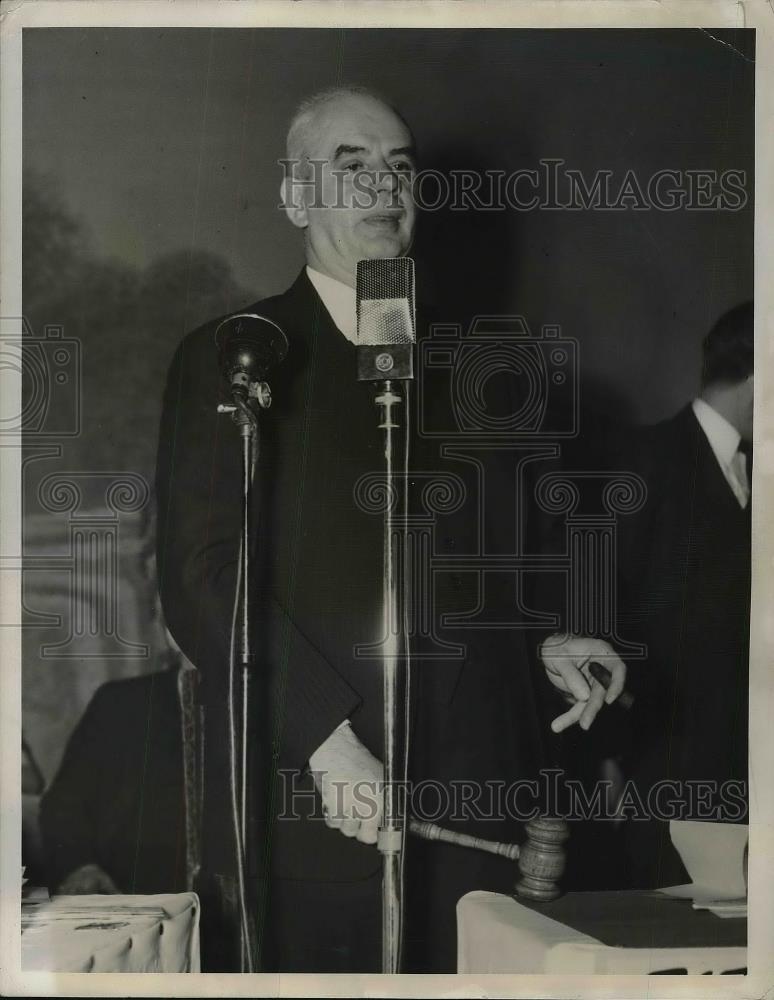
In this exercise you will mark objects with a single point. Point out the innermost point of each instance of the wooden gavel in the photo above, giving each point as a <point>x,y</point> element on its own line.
<point>541,860</point>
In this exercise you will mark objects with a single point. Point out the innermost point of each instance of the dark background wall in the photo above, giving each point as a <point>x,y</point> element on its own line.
<point>151,199</point>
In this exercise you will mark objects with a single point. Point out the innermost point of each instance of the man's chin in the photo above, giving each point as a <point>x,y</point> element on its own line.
<point>384,246</point>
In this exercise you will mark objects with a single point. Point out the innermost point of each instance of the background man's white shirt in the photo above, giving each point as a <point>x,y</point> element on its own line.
<point>724,441</point>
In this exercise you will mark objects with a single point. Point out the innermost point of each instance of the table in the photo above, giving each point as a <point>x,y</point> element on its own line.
<point>497,934</point>
<point>111,933</point>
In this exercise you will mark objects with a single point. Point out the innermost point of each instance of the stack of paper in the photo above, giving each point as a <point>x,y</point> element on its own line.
<point>725,908</point>
<point>713,854</point>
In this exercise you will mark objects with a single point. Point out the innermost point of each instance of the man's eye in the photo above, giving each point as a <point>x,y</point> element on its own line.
<point>354,165</point>
<point>403,167</point>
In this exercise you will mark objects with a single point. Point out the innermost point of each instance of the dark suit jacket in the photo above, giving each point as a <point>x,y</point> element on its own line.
<point>117,799</point>
<point>316,593</point>
<point>685,562</point>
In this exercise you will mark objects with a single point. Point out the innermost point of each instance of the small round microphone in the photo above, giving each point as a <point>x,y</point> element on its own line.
<point>249,347</point>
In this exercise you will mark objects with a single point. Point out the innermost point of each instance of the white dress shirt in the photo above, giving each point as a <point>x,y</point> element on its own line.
<point>339,300</point>
<point>724,441</point>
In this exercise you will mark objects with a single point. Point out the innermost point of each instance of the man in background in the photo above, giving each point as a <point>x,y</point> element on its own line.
<point>113,819</point>
<point>685,584</point>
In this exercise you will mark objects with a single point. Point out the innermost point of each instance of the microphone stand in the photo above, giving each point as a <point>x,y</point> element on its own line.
<point>386,328</point>
<point>244,413</point>
<point>391,833</point>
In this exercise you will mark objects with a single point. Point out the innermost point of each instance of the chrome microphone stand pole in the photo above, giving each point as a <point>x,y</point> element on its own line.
<point>386,332</point>
<point>390,837</point>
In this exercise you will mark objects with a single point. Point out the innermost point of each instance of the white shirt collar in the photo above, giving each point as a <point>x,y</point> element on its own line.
<point>339,300</point>
<point>723,437</point>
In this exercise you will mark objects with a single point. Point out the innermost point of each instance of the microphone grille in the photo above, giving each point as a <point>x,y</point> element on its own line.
<point>385,301</point>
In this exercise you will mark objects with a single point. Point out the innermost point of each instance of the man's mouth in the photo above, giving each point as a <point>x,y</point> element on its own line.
<point>389,220</point>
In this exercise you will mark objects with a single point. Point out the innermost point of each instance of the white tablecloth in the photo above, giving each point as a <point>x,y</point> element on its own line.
<point>497,934</point>
<point>111,934</point>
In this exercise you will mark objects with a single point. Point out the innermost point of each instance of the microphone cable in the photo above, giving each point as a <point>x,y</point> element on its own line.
<point>233,779</point>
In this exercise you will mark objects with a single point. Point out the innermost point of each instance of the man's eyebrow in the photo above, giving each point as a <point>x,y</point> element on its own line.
<point>344,150</point>
<point>404,151</point>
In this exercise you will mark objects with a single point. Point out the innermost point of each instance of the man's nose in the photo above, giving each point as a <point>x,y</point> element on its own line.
<point>387,179</point>
<point>387,184</point>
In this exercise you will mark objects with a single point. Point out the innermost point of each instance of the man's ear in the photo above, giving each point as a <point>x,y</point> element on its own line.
<point>292,196</point>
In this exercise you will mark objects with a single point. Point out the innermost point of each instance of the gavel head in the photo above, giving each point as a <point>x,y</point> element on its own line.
<point>542,859</point>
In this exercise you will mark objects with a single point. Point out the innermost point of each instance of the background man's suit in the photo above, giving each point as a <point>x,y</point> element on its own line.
<point>685,588</point>
<point>118,798</point>
<point>318,593</point>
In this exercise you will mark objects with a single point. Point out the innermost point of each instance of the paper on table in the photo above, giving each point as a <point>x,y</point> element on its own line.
<point>713,856</point>
<point>725,908</point>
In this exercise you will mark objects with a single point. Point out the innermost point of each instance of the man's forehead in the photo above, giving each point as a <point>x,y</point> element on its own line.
<point>358,124</point>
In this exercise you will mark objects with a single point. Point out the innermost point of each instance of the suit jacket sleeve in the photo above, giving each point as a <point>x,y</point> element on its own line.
<point>198,484</point>
<point>639,535</point>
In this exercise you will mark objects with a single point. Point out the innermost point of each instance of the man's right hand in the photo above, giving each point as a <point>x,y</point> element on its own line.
<point>350,782</point>
<point>87,880</point>
<point>566,660</point>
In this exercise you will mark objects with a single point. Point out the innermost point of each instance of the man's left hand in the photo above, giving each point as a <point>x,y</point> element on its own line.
<point>566,659</point>
<point>350,781</point>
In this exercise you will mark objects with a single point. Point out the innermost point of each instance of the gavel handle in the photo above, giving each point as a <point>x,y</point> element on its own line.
<point>431,831</point>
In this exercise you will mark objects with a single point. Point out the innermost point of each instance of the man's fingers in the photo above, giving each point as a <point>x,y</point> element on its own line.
<point>567,719</point>
<point>617,668</point>
<point>573,679</point>
<point>368,832</point>
<point>367,800</point>
<point>353,808</point>
<point>592,706</point>
<point>350,827</point>
<point>567,666</point>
